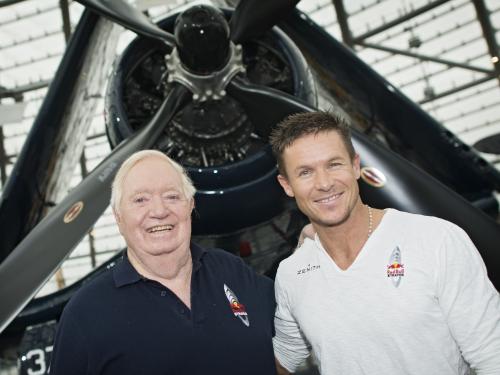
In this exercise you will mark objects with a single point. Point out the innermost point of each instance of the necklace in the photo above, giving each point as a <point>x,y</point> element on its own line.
<point>370,221</point>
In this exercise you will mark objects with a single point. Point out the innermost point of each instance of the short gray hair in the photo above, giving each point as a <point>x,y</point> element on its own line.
<point>116,188</point>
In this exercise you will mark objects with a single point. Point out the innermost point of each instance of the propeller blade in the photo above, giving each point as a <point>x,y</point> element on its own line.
<point>252,18</point>
<point>46,246</point>
<point>129,17</point>
<point>264,106</point>
<point>490,144</point>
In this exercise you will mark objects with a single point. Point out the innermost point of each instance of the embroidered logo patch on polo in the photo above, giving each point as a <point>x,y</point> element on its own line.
<point>237,307</point>
<point>395,268</point>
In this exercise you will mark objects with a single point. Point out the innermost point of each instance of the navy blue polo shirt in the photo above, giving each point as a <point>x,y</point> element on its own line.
<point>121,323</point>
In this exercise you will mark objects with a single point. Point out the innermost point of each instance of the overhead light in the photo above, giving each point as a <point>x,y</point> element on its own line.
<point>494,59</point>
<point>429,92</point>
<point>414,42</point>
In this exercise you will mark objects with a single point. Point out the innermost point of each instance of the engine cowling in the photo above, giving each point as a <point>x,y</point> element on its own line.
<point>231,165</point>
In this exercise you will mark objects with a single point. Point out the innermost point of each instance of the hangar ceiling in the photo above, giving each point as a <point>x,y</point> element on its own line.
<point>443,54</point>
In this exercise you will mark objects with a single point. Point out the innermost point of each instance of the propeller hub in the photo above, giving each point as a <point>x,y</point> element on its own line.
<point>202,39</point>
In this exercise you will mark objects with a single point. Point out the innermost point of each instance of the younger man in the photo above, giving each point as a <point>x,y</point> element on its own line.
<point>376,291</point>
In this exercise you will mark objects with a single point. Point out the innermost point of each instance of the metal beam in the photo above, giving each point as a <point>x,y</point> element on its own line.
<point>4,3</point>
<point>469,95</point>
<point>483,16</point>
<point>34,11</point>
<point>460,114</point>
<point>434,73</point>
<point>427,58</point>
<point>63,4</point>
<point>436,36</point>
<point>343,23</point>
<point>19,90</point>
<point>401,68</point>
<point>399,20</point>
<point>32,60</point>
<point>457,89</point>
<point>29,39</point>
<point>3,159</point>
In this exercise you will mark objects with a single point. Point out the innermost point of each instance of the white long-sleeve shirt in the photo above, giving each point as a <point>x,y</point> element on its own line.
<point>416,300</point>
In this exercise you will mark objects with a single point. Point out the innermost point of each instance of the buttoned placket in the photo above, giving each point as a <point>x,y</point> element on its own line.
<point>180,307</point>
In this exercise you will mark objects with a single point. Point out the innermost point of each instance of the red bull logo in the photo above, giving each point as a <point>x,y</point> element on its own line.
<point>395,265</point>
<point>395,268</point>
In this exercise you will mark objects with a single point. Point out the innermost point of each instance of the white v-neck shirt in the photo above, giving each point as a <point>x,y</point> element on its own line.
<point>416,300</point>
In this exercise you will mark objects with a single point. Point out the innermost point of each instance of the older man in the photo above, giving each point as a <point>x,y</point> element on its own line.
<point>169,306</point>
<point>374,292</point>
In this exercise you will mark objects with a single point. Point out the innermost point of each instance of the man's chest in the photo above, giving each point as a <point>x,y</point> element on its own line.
<point>151,331</point>
<point>391,291</point>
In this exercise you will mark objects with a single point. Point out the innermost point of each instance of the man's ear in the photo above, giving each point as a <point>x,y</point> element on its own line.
<point>118,220</point>
<point>285,185</point>
<point>356,163</point>
<point>116,215</point>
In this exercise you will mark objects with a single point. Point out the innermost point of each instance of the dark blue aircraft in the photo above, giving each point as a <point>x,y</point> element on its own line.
<point>206,87</point>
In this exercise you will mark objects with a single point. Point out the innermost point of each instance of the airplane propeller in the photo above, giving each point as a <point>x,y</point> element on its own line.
<point>250,18</point>
<point>129,17</point>
<point>61,230</point>
<point>264,106</point>
<point>192,73</point>
<point>64,227</point>
<point>80,209</point>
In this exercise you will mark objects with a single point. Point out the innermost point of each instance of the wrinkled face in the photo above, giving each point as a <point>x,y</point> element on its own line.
<point>154,216</point>
<point>322,178</point>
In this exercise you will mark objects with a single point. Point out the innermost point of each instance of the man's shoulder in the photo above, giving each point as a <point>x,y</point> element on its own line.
<point>417,221</point>
<point>303,256</point>
<point>220,254</point>
<point>226,264</point>
<point>222,257</point>
<point>93,291</point>
<point>424,233</point>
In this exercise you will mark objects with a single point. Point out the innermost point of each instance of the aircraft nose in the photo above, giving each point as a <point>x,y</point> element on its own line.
<point>202,39</point>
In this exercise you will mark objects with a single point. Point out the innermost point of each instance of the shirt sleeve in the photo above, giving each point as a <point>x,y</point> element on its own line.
<point>269,293</point>
<point>290,346</point>
<point>469,301</point>
<point>70,352</point>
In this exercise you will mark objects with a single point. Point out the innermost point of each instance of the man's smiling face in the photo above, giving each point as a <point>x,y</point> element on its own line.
<point>154,215</point>
<point>322,177</point>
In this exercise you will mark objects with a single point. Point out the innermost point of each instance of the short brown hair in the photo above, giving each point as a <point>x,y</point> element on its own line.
<point>300,124</point>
